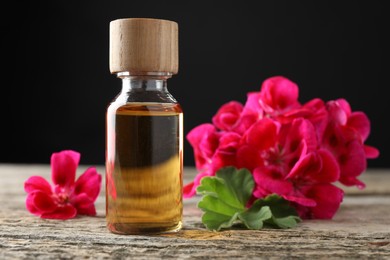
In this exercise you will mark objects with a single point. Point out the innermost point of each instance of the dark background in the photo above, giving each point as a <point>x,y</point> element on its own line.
<point>56,82</point>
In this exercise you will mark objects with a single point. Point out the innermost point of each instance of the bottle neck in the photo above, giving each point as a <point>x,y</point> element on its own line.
<point>156,81</point>
<point>148,87</point>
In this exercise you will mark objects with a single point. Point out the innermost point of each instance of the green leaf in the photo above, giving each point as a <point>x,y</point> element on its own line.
<point>224,197</point>
<point>216,187</point>
<point>254,218</point>
<point>224,203</point>
<point>239,182</point>
<point>215,221</point>
<point>286,222</point>
<point>218,206</point>
<point>283,215</point>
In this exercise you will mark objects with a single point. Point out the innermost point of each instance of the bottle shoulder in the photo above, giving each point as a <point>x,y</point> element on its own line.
<point>145,96</point>
<point>145,108</point>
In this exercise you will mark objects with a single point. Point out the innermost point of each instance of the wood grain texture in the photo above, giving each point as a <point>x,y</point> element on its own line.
<point>359,230</point>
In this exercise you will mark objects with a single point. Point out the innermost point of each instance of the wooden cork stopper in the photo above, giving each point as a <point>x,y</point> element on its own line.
<point>140,45</point>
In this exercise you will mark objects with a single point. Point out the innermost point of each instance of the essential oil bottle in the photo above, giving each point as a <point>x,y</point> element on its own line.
<point>144,130</point>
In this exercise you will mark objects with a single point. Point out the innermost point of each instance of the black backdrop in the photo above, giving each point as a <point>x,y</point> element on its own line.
<point>56,82</point>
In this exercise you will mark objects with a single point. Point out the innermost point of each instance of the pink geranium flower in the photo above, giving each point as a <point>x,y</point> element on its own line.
<point>344,136</point>
<point>228,116</point>
<point>308,185</point>
<point>67,197</point>
<point>278,95</point>
<point>298,151</point>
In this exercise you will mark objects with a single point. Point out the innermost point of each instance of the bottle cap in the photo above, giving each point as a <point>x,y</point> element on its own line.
<point>141,45</point>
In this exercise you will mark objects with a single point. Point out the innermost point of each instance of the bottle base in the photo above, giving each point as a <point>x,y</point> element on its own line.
<point>142,228</point>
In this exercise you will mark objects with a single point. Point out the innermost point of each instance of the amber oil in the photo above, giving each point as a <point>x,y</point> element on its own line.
<point>144,168</point>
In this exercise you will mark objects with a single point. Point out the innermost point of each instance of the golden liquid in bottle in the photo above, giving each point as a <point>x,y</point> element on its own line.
<point>144,168</point>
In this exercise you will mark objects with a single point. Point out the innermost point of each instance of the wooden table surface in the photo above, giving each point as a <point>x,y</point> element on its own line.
<point>359,230</point>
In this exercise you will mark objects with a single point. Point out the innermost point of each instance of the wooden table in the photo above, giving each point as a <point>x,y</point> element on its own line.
<point>359,230</point>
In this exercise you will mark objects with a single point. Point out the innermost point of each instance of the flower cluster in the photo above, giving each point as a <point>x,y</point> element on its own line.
<point>298,151</point>
<point>67,198</point>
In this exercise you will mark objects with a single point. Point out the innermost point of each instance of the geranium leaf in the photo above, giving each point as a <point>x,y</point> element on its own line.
<point>231,186</point>
<point>254,218</point>
<point>239,182</point>
<point>286,222</point>
<point>283,215</point>
<point>226,195</point>
<point>215,221</point>
<point>217,205</point>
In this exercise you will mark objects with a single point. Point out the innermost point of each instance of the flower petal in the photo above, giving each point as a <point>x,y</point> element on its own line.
<point>252,104</point>
<point>352,163</point>
<point>360,122</point>
<point>353,181</point>
<point>330,170</point>
<point>263,134</point>
<point>84,205</point>
<point>371,152</point>
<point>343,103</point>
<point>301,200</point>
<point>270,179</point>
<point>337,114</point>
<point>196,135</point>
<point>316,167</point>
<point>89,182</point>
<point>63,212</point>
<point>30,205</point>
<point>248,157</point>
<point>328,198</point>
<point>300,130</point>
<point>305,166</point>
<point>228,115</point>
<point>226,152</point>
<point>279,94</point>
<point>81,200</point>
<point>320,116</point>
<point>64,165</point>
<point>204,141</point>
<point>88,210</point>
<point>37,183</point>
<point>189,190</point>
<point>39,202</point>
<point>251,113</point>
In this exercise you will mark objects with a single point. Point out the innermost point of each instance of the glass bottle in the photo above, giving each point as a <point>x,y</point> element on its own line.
<point>144,130</point>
